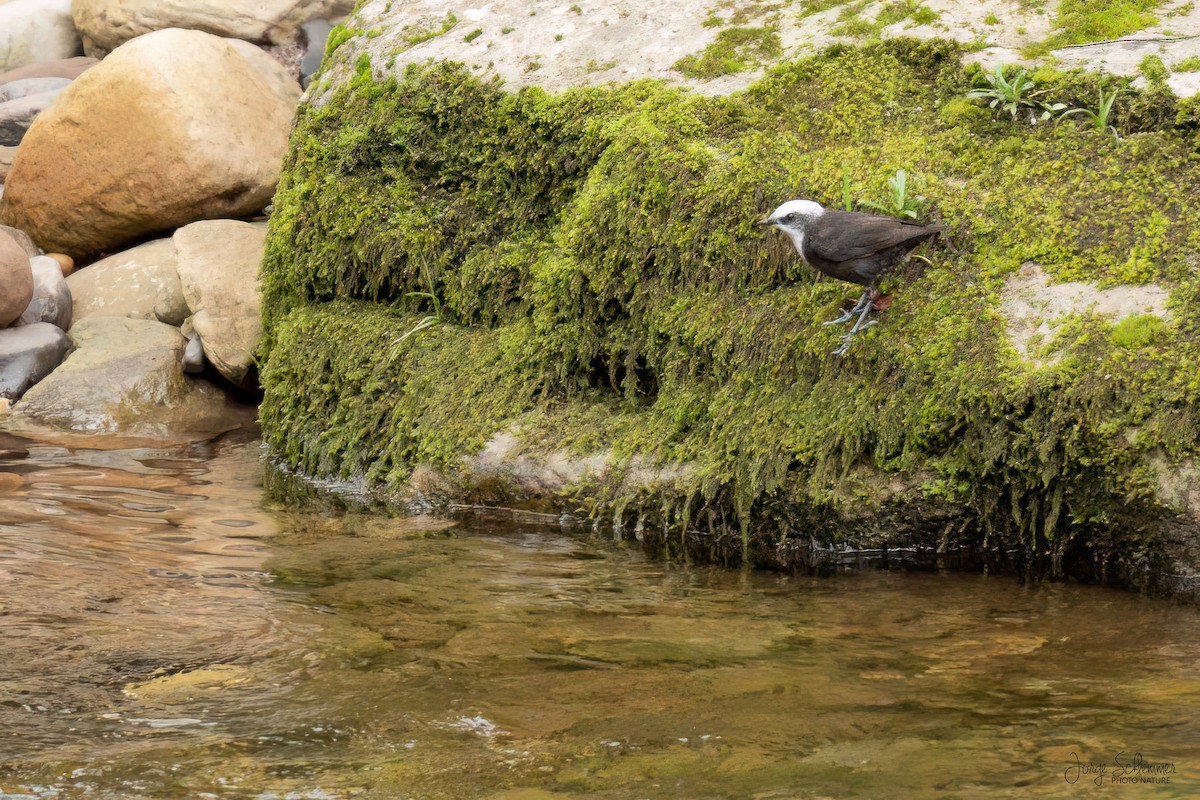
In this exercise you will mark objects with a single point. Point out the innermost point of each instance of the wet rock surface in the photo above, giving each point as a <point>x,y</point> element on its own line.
<point>141,282</point>
<point>125,377</point>
<point>51,300</point>
<point>28,353</point>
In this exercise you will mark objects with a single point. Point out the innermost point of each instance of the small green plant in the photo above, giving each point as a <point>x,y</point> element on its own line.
<point>473,35</point>
<point>506,31</point>
<point>1153,69</point>
<point>900,203</point>
<point>991,19</point>
<point>1016,95</point>
<point>426,322</point>
<point>712,21</point>
<point>1189,64</point>
<point>558,37</point>
<point>416,38</point>
<point>1101,116</point>
<point>575,9</point>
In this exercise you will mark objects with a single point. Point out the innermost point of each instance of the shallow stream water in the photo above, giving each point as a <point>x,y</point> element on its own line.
<point>169,632</point>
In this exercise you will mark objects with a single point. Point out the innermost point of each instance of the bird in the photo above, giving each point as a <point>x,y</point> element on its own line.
<point>853,247</point>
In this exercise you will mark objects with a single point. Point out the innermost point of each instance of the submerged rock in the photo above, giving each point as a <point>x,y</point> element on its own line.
<point>174,126</point>
<point>141,282</point>
<point>218,268</point>
<point>29,353</point>
<point>51,296</point>
<point>124,376</point>
<point>16,280</point>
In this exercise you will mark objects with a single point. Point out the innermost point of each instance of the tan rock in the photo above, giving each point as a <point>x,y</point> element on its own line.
<point>130,284</point>
<point>107,24</point>
<point>59,68</point>
<point>218,268</point>
<point>124,377</point>
<point>65,262</point>
<point>172,127</point>
<point>16,280</point>
<point>7,153</point>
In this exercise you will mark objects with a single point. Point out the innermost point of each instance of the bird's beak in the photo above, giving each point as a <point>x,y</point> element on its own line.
<point>767,221</point>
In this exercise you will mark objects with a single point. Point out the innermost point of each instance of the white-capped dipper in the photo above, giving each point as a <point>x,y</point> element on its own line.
<point>849,246</point>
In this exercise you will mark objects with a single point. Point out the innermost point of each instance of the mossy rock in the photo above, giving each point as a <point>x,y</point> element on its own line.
<point>601,285</point>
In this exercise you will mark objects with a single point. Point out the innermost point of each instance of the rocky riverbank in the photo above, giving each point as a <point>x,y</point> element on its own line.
<point>139,147</point>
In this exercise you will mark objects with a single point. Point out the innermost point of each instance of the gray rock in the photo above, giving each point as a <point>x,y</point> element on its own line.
<point>51,296</point>
<point>193,355</point>
<point>124,377</point>
<point>17,115</point>
<point>29,353</point>
<point>22,238</point>
<point>28,86</point>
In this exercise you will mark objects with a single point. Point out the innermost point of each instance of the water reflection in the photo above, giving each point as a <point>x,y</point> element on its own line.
<point>167,634</point>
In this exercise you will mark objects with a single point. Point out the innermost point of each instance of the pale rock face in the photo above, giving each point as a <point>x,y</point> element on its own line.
<point>107,24</point>
<point>22,238</point>
<point>136,283</point>
<point>51,296</point>
<point>218,268</point>
<point>16,280</point>
<point>124,377</point>
<point>17,115</point>
<point>69,68</point>
<point>32,31</point>
<point>173,127</point>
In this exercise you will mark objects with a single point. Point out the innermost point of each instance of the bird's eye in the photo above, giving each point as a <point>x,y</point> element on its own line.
<point>792,217</point>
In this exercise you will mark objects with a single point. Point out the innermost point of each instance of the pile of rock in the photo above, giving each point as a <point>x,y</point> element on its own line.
<point>136,161</point>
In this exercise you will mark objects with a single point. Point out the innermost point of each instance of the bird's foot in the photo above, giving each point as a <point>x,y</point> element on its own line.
<point>868,297</point>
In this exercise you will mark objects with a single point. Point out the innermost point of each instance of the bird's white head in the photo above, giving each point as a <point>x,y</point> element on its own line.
<point>793,218</point>
<point>794,215</point>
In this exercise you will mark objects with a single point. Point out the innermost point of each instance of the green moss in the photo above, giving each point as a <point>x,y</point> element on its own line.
<point>1083,21</point>
<point>991,19</point>
<point>473,35</point>
<point>1139,331</point>
<point>1189,64</point>
<point>417,36</point>
<point>1153,69</point>
<point>734,50</point>
<point>606,288</point>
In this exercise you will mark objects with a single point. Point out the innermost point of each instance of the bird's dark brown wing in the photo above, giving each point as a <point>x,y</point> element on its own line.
<point>845,235</point>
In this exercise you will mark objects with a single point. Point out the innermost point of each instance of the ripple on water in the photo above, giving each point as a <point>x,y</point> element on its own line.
<point>169,634</point>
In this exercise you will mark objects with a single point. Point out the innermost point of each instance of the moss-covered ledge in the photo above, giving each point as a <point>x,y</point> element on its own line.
<point>591,282</point>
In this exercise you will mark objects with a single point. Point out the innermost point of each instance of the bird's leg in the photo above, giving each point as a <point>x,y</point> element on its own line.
<point>867,298</point>
<point>841,351</point>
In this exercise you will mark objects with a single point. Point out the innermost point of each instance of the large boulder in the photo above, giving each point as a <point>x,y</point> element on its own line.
<point>141,283</point>
<point>16,280</point>
<point>173,127</point>
<point>51,296</point>
<point>29,353</point>
<point>218,268</point>
<point>17,115</point>
<point>36,30</point>
<point>107,24</point>
<point>124,376</point>
<point>70,68</point>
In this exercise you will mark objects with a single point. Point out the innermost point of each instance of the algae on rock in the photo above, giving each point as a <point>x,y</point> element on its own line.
<point>596,257</point>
